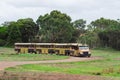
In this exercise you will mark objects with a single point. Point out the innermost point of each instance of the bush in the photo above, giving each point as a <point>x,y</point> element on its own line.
<point>2,42</point>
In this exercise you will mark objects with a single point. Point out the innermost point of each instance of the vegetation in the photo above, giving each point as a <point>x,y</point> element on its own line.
<point>28,29</point>
<point>8,54</point>
<point>3,35</point>
<point>107,66</point>
<point>14,34</point>
<point>55,27</point>
<point>24,30</point>
<point>30,57</point>
<point>58,27</point>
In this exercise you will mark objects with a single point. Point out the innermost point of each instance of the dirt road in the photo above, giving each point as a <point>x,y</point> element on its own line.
<point>6,64</point>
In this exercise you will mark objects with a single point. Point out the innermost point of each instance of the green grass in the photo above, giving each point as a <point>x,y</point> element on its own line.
<point>8,54</point>
<point>108,66</point>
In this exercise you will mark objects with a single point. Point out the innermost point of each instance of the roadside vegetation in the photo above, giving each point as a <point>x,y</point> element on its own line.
<point>109,65</point>
<point>8,54</point>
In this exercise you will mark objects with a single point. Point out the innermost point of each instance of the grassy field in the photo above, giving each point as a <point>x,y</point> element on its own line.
<point>108,66</point>
<point>8,54</point>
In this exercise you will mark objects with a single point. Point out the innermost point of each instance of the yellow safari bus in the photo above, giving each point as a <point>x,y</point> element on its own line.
<point>70,49</point>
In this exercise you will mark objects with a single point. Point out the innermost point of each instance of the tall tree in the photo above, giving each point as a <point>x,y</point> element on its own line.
<point>90,38</point>
<point>28,29</point>
<point>108,32</point>
<point>3,35</point>
<point>79,24</point>
<point>103,24</point>
<point>55,27</point>
<point>3,32</point>
<point>14,34</point>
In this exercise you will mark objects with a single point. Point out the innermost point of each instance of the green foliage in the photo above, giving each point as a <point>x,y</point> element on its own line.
<point>55,27</point>
<point>104,24</point>
<point>36,68</point>
<point>3,35</point>
<point>75,35</point>
<point>80,24</point>
<point>2,42</point>
<point>28,29</point>
<point>110,38</point>
<point>90,38</point>
<point>3,32</point>
<point>108,32</point>
<point>14,34</point>
<point>24,30</point>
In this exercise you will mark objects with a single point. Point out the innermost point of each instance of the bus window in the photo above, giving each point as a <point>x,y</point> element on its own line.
<point>83,47</point>
<point>75,47</point>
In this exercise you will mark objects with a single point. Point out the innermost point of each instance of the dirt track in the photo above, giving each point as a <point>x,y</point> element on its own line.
<point>6,64</point>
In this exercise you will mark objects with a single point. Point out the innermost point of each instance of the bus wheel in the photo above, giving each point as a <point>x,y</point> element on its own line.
<point>89,55</point>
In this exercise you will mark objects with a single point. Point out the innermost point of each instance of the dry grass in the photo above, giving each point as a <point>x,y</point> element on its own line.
<point>48,76</point>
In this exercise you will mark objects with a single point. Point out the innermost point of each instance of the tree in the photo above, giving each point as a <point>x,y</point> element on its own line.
<point>103,24</point>
<point>28,29</point>
<point>75,35</point>
<point>111,38</point>
<point>90,38</point>
<point>3,32</point>
<point>6,23</point>
<point>3,35</point>
<point>55,27</point>
<point>14,34</point>
<point>108,32</point>
<point>79,24</point>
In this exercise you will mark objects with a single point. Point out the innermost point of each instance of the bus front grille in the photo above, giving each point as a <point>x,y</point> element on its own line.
<point>85,53</point>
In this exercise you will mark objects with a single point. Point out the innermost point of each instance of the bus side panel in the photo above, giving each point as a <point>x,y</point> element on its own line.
<point>62,51</point>
<point>76,53</point>
<point>26,50</point>
<point>44,50</point>
<point>22,50</point>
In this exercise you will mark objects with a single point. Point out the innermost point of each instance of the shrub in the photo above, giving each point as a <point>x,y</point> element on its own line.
<point>2,42</point>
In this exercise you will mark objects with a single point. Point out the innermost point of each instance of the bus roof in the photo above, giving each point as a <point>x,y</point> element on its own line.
<point>64,44</point>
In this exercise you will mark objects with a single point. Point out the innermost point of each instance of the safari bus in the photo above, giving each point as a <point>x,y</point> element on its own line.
<point>70,49</point>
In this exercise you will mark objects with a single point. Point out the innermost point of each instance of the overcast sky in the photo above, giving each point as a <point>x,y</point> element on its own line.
<point>12,10</point>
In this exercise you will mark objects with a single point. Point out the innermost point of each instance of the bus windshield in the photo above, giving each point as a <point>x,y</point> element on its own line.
<point>83,47</point>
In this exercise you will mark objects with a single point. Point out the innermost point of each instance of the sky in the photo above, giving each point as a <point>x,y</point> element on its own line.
<point>89,10</point>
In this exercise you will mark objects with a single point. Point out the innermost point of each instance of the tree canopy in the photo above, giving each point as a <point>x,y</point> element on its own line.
<point>28,29</point>
<point>55,27</point>
<point>14,34</point>
<point>58,27</point>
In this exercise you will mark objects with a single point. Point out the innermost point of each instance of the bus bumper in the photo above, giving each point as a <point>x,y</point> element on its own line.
<point>85,55</point>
